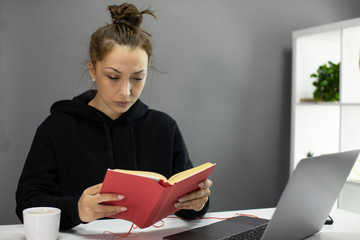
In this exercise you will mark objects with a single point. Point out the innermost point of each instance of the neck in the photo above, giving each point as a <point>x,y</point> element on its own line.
<point>99,105</point>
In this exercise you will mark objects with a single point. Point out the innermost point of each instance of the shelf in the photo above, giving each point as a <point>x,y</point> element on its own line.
<point>316,130</point>
<point>318,104</point>
<point>350,127</point>
<point>311,52</point>
<point>328,127</point>
<point>327,104</point>
<point>350,69</point>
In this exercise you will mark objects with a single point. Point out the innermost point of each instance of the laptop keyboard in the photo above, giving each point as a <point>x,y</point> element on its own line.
<point>252,234</point>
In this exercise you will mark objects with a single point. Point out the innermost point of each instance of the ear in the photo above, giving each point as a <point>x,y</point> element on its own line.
<point>92,70</point>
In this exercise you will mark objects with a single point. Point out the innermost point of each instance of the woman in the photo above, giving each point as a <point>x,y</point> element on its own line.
<point>105,128</point>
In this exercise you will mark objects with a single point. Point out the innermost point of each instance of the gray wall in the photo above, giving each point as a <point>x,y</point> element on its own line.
<point>227,82</point>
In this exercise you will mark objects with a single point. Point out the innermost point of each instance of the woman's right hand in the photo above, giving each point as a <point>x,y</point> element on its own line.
<point>90,204</point>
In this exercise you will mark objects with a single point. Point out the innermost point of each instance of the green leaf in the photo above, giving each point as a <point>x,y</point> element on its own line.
<point>327,82</point>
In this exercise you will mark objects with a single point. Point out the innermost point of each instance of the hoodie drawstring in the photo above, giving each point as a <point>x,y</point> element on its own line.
<point>110,148</point>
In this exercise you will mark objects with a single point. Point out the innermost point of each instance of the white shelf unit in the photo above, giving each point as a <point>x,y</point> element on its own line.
<point>326,127</point>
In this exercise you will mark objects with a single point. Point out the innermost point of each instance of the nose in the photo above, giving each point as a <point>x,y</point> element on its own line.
<point>124,87</point>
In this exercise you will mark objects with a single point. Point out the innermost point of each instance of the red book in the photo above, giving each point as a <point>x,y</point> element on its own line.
<point>149,197</point>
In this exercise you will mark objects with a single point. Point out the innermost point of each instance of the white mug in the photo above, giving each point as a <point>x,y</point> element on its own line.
<point>41,223</point>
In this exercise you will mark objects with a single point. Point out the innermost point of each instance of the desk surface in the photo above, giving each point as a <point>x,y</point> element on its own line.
<point>346,227</point>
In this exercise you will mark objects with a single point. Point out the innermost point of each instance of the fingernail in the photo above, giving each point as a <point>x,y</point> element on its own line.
<point>177,205</point>
<point>201,184</point>
<point>181,199</point>
<point>123,209</point>
<point>120,197</point>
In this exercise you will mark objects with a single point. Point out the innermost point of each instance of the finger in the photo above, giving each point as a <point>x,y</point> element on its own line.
<point>192,204</point>
<point>98,215</point>
<point>194,207</point>
<point>93,189</point>
<point>195,194</point>
<point>100,208</point>
<point>108,214</point>
<point>106,197</point>
<point>205,184</point>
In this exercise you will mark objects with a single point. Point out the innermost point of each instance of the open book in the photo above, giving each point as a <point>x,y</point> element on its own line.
<point>149,197</point>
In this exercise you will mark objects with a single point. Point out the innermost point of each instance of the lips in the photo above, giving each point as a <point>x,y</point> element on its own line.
<point>123,103</point>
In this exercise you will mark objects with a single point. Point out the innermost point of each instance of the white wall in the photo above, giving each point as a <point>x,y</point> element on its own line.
<point>227,84</point>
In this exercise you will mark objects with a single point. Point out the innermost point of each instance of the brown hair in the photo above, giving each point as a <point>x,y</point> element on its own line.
<point>124,30</point>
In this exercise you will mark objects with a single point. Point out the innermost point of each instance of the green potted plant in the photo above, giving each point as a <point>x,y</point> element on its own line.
<point>309,154</point>
<point>327,82</point>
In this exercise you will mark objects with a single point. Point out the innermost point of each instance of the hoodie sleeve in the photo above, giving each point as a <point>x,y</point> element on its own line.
<point>182,162</point>
<point>39,183</point>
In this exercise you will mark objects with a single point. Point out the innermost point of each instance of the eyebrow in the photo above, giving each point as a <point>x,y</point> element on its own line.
<point>114,69</point>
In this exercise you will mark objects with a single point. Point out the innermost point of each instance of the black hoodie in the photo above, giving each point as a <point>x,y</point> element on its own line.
<point>76,144</point>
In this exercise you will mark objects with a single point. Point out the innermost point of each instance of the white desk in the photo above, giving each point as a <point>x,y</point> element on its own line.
<point>346,227</point>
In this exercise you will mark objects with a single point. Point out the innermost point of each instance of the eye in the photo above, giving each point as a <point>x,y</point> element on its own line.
<point>138,77</point>
<point>113,78</point>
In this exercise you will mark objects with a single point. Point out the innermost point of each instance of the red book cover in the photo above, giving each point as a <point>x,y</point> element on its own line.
<point>149,200</point>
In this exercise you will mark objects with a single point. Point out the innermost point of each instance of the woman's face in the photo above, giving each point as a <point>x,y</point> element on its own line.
<point>120,78</point>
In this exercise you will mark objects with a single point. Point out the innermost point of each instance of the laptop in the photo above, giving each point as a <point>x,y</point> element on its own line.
<point>303,207</point>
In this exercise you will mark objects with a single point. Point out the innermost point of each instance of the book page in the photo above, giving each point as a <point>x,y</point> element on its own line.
<point>156,176</point>
<point>187,173</point>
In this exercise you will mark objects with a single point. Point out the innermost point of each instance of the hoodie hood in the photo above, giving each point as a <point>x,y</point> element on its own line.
<point>118,132</point>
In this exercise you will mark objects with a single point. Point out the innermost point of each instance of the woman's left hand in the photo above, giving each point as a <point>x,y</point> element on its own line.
<point>196,199</point>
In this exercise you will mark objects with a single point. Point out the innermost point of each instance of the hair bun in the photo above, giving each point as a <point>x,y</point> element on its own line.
<point>128,14</point>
